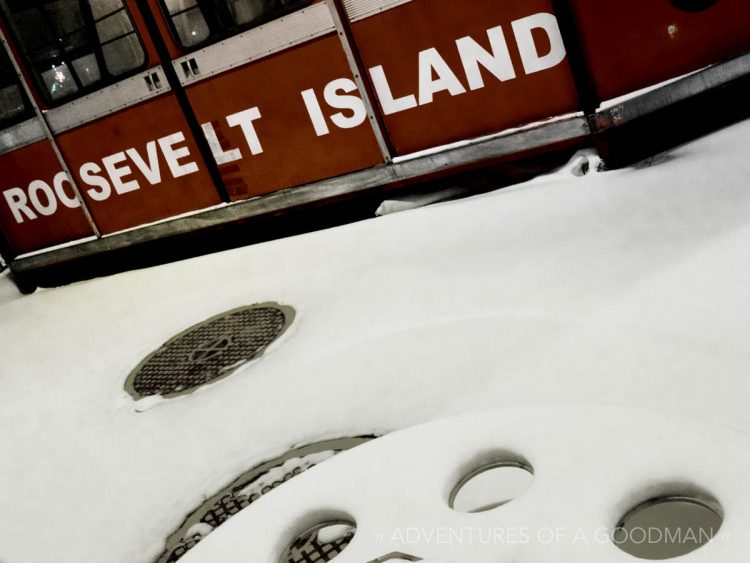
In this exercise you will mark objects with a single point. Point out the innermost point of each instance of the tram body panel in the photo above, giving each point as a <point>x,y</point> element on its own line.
<point>289,149</point>
<point>633,44</point>
<point>107,101</point>
<point>419,72</point>
<point>138,166</point>
<point>174,50</point>
<point>139,23</point>
<point>39,207</point>
<point>275,96</point>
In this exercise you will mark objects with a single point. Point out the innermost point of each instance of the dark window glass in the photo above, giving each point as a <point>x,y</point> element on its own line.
<point>75,46</point>
<point>188,21</point>
<point>13,105</point>
<point>199,22</point>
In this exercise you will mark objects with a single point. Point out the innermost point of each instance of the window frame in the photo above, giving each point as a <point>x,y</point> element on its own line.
<point>13,80</point>
<point>226,31</point>
<point>106,78</point>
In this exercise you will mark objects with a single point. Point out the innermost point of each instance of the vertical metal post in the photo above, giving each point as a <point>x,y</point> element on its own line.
<point>343,28</point>
<point>183,101</point>
<point>576,57</point>
<point>48,133</point>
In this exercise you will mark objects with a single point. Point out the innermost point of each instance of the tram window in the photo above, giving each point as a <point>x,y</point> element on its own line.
<point>187,18</point>
<point>199,22</point>
<point>121,47</point>
<point>75,46</point>
<point>13,106</point>
<point>245,11</point>
<point>11,102</point>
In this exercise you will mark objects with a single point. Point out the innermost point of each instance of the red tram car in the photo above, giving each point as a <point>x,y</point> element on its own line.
<point>123,121</point>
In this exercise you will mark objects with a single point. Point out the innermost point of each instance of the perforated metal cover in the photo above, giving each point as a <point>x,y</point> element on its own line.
<point>209,351</point>
<point>252,485</point>
<point>311,548</point>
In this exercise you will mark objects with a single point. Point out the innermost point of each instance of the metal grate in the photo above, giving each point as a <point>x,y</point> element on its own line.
<point>248,488</point>
<point>209,351</point>
<point>310,547</point>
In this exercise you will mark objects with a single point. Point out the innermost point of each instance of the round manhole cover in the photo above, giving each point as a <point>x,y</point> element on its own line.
<point>254,484</point>
<point>209,351</point>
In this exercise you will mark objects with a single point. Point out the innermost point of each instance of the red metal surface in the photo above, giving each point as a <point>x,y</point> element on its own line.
<point>292,152</point>
<point>28,181</point>
<point>443,71</point>
<point>16,54</point>
<point>140,25</point>
<point>139,129</point>
<point>632,44</point>
<point>395,38</point>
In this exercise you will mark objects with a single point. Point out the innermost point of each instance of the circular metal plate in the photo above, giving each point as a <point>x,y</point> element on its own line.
<point>209,351</point>
<point>668,527</point>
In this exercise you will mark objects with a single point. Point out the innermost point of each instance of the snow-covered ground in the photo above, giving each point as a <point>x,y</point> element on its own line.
<point>626,287</point>
<point>585,477</point>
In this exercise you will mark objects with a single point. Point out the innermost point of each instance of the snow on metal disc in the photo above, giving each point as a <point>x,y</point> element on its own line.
<point>209,351</point>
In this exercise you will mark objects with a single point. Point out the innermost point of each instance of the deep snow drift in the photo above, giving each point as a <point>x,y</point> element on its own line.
<point>626,287</point>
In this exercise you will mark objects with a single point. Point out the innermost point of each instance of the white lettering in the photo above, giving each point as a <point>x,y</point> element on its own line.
<point>173,155</point>
<point>245,120</point>
<point>88,174</point>
<point>18,204</point>
<point>431,64</point>
<point>340,101</point>
<point>50,206</point>
<point>58,182</point>
<point>532,60</point>
<point>220,155</point>
<point>117,173</point>
<point>498,62</point>
<point>316,114</point>
<point>151,169</point>
<point>389,104</point>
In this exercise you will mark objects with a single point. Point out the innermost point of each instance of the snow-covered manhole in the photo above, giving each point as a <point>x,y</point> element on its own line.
<point>322,540</point>
<point>209,350</point>
<point>321,543</point>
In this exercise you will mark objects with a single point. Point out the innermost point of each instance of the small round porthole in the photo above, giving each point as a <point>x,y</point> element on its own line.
<point>693,5</point>
<point>668,527</point>
<point>321,543</point>
<point>491,486</point>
